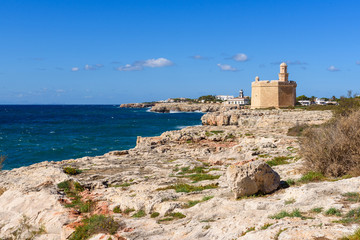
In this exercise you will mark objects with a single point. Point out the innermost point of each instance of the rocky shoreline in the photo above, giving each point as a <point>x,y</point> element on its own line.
<point>181,107</point>
<point>178,186</point>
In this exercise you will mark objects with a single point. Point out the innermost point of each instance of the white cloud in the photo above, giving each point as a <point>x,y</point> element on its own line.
<point>160,62</point>
<point>129,67</point>
<point>333,69</point>
<point>226,67</point>
<point>75,69</point>
<point>89,67</point>
<point>240,57</point>
<point>139,65</point>
<point>199,57</point>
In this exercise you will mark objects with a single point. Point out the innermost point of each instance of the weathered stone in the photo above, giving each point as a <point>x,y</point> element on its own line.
<point>251,178</point>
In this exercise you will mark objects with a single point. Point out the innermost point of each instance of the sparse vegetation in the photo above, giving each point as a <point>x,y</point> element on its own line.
<point>297,130</point>
<point>139,214</point>
<point>172,216</point>
<point>355,236</point>
<point>117,209</point>
<point>278,161</point>
<point>276,237</point>
<point>129,210</point>
<point>201,177</point>
<point>282,214</point>
<point>332,212</point>
<point>72,190</point>
<point>248,230</point>
<point>2,190</point>
<point>154,214</point>
<point>317,210</point>
<point>266,226</point>
<point>192,203</point>
<point>289,201</point>
<point>353,216</point>
<point>351,196</point>
<point>71,170</point>
<point>216,132</point>
<point>183,187</point>
<point>27,231</point>
<point>333,149</point>
<point>312,177</point>
<point>93,225</point>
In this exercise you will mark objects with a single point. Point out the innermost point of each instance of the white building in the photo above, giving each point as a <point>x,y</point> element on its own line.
<point>320,101</point>
<point>305,102</point>
<point>241,100</point>
<point>224,97</point>
<point>238,101</point>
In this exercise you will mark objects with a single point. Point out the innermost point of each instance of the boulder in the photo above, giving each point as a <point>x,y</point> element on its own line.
<point>251,178</point>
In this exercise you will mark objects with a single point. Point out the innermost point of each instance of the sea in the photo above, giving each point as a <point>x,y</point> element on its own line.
<point>34,133</point>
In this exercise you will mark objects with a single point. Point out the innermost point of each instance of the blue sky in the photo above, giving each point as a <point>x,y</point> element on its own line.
<point>84,52</point>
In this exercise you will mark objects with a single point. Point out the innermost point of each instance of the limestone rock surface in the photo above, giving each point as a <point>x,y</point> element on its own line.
<point>251,178</point>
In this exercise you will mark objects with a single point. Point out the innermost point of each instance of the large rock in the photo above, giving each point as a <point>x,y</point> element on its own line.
<point>251,178</point>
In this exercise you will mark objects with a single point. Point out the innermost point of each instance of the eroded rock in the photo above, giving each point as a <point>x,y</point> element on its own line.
<point>251,178</point>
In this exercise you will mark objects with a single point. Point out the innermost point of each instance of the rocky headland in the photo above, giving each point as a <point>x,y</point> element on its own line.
<point>137,105</point>
<point>205,182</point>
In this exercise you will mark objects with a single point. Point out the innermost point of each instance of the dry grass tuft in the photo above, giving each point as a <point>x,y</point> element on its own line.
<point>333,149</point>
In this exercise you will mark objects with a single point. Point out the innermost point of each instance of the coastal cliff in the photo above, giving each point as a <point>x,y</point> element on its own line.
<point>177,186</point>
<point>137,105</point>
<point>189,107</point>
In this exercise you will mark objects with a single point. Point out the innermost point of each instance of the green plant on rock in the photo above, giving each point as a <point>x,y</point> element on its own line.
<point>278,161</point>
<point>139,214</point>
<point>351,196</point>
<point>154,214</point>
<point>94,225</point>
<point>317,210</point>
<point>282,214</point>
<point>117,209</point>
<point>183,187</point>
<point>332,212</point>
<point>71,170</point>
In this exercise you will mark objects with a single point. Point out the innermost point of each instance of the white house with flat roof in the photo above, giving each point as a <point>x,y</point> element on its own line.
<point>224,97</point>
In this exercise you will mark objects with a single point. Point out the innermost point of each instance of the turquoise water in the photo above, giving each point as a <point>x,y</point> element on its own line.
<point>35,133</point>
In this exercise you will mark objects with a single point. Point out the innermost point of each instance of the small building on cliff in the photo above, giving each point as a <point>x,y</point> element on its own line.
<point>274,93</point>
<point>240,100</point>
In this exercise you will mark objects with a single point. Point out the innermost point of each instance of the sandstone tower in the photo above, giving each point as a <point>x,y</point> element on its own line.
<point>274,93</point>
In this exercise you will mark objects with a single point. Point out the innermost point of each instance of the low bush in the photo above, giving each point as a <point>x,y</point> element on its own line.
<point>139,214</point>
<point>333,149</point>
<point>94,225</point>
<point>71,171</point>
<point>355,236</point>
<point>154,214</point>
<point>332,212</point>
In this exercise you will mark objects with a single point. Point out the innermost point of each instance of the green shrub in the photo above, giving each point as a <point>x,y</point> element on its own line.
<point>282,214</point>
<point>94,225</point>
<point>317,210</point>
<point>139,214</point>
<point>129,210</point>
<point>266,226</point>
<point>278,161</point>
<point>154,214</point>
<point>117,209</point>
<point>71,170</point>
<point>172,216</point>
<point>333,211</point>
